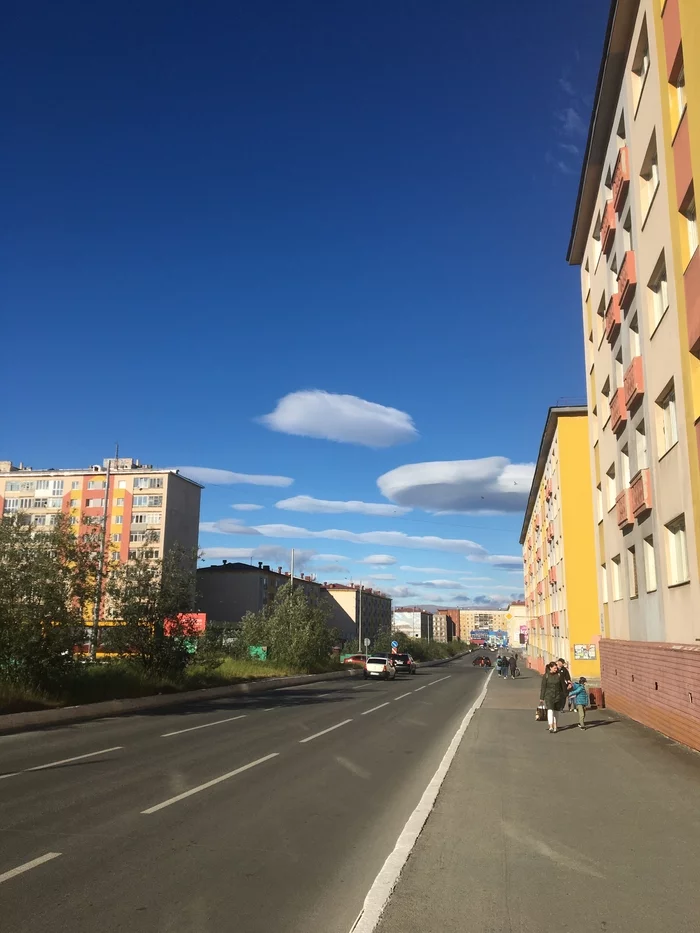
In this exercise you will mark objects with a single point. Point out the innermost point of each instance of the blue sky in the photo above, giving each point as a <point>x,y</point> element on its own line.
<point>228,227</point>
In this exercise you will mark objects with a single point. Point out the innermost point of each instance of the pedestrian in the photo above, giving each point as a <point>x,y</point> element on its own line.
<point>513,665</point>
<point>504,666</point>
<point>552,693</point>
<point>566,681</point>
<point>499,663</point>
<point>578,695</point>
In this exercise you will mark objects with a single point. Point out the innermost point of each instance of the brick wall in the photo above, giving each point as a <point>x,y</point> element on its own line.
<point>657,684</point>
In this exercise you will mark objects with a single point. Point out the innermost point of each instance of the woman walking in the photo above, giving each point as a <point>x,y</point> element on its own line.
<point>552,693</point>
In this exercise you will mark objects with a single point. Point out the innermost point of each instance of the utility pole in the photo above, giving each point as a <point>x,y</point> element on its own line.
<point>360,646</point>
<point>292,569</point>
<point>100,570</point>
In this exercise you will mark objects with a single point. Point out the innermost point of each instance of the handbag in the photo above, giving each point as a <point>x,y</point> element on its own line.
<point>541,712</point>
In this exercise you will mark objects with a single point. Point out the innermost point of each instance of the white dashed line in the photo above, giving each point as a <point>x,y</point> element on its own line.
<point>438,681</point>
<point>421,688</point>
<point>62,761</point>
<point>196,790</point>
<point>375,708</point>
<point>206,725</point>
<point>324,731</point>
<point>402,695</point>
<point>20,870</point>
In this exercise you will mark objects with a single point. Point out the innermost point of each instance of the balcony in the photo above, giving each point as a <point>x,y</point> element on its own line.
<point>621,179</point>
<point>618,411</point>
<point>550,531</point>
<point>627,279</point>
<point>607,229</point>
<point>540,588</point>
<point>538,555</point>
<point>552,574</point>
<point>623,512</point>
<point>537,522</point>
<point>548,489</point>
<point>555,619</point>
<point>640,493</point>
<point>634,384</point>
<point>612,318</point>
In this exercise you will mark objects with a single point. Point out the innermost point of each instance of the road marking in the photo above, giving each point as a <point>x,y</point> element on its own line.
<point>20,870</point>
<point>385,882</point>
<point>402,695</point>
<point>201,787</point>
<point>360,686</point>
<point>322,695</point>
<point>217,722</point>
<point>62,761</point>
<point>438,681</point>
<point>374,708</point>
<point>330,729</point>
<point>421,688</point>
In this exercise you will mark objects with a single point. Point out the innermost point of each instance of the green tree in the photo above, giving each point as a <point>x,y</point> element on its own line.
<point>149,601</point>
<point>47,588</point>
<point>293,628</point>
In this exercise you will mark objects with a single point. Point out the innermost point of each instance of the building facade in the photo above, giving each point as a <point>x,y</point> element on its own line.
<point>228,590</point>
<point>454,617</point>
<point>146,510</point>
<point>443,626</point>
<point>516,620</point>
<point>635,238</point>
<point>473,621</point>
<point>359,611</point>
<point>558,545</point>
<point>413,621</point>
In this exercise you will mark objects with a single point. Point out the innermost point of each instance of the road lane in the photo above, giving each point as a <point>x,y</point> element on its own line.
<point>291,844</point>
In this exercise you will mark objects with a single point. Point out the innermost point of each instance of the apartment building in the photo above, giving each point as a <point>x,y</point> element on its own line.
<point>146,509</point>
<point>413,621</point>
<point>473,621</point>
<point>443,626</point>
<point>558,545</point>
<point>516,620</point>
<point>635,238</point>
<point>454,616</point>
<point>359,610</point>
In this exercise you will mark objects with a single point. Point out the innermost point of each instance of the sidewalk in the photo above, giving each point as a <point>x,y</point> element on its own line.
<point>578,832</point>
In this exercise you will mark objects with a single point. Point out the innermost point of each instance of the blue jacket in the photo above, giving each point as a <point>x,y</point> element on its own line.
<point>579,695</point>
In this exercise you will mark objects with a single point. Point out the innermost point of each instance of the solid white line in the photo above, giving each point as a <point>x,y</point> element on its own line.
<point>20,870</point>
<point>64,761</point>
<point>421,688</point>
<point>206,725</point>
<point>374,708</point>
<point>402,695</point>
<point>438,681</point>
<point>384,883</point>
<point>330,729</point>
<point>196,790</point>
<point>322,695</point>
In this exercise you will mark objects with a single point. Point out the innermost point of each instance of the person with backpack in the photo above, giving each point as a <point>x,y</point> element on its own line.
<point>578,695</point>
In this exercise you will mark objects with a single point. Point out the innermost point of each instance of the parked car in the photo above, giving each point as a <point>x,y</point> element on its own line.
<point>357,659</point>
<point>404,663</point>
<point>379,667</point>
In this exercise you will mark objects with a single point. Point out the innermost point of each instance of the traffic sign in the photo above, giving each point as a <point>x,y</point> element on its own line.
<point>394,644</point>
<point>367,642</point>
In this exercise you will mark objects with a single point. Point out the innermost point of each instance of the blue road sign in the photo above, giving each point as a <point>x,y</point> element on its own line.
<point>394,644</point>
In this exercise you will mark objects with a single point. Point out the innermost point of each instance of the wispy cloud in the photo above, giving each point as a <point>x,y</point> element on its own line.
<point>430,569</point>
<point>379,560</point>
<point>570,121</point>
<point>559,164</point>
<point>246,507</point>
<point>272,554</point>
<point>569,147</point>
<point>345,418</point>
<point>382,576</point>
<point>208,476</point>
<point>337,507</point>
<point>385,538</point>
<point>567,87</point>
<point>228,526</point>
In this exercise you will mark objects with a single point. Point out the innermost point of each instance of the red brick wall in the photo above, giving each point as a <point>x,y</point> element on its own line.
<point>657,684</point>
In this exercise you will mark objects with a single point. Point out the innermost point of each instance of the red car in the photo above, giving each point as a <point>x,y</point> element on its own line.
<point>357,659</point>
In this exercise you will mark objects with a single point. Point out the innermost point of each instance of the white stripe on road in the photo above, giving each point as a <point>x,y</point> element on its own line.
<point>196,790</point>
<point>20,870</point>
<point>322,695</point>
<point>385,882</point>
<point>217,722</point>
<point>421,688</point>
<point>438,681</point>
<point>330,729</point>
<point>62,761</point>
<point>375,708</point>
<point>402,695</point>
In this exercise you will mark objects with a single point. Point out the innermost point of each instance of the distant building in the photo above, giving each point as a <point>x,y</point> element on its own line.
<point>413,621</point>
<point>443,626</point>
<point>477,620</point>
<point>358,611</point>
<point>454,615</point>
<point>517,624</point>
<point>147,510</point>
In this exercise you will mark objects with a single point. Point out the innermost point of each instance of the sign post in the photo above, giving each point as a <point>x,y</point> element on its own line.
<point>394,647</point>
<point>367,644</point>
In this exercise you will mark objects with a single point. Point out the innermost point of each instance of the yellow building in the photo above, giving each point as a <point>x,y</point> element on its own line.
<point>559,549</point>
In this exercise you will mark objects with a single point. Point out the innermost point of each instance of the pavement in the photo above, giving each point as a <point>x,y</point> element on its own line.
<point>269,812</point>
<point>578,832</point>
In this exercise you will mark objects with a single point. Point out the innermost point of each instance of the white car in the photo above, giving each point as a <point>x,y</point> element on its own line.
<point>379,667</point>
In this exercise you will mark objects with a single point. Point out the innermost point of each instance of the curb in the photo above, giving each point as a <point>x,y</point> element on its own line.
<point>25,722</point>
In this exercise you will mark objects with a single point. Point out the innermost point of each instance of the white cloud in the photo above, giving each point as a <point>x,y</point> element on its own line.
<point>430,569</point>
<point>228,526</point>
<point>378,559</point>
<point>333,558</point>
<point>271,554</point>
<point>212,477</point>
<point>438,584</point>
<point>347,418</point>
<point>385,538</point>
<point>382,576</point>
<point>330,569</point>
<point>491,484</point>
<point>336,507</point>
<point>246,507</point>
<point>401,592</point>
<point>501,561</point>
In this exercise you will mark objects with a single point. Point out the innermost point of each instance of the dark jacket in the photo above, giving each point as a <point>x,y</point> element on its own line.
<point>552,691</point>
<point>513,662</point>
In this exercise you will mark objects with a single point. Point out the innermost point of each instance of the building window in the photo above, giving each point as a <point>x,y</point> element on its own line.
<point>149,501</point>
<point>75,484</point>
<point>116,538</point>
<point>668,424</point>
<point>137,536</point>
<point>599,502</point>
<point>42,485</point>
<point>624,467</point>
<point>616,578</point>
<point>25,504</point>
<point>121,484</point>
<point>148,482</point>
<point>640,65</point>
<point>657,289</point>
<point>611,486</point>
<point>605,401</point>
<point>619,371</point>
<point>634,341</point>
<point>689,213</point>
<point>55,503</point>
<point>38,519</point>
<point>604,582</point>
<point>632,580</point>
<point>640,441</point>
<point>119,502</point>
<point>96,484</point>
<point>117,519</point>
<point>600,319</point>
<point>677,551</point>
<point>94,503</point>
<point>146,518</point>
<point>649,564</point>
<point>649,177</point>
<point>678,95</point>
<point>10,505</point>
<point>41,503</point>
<point>12,486</point>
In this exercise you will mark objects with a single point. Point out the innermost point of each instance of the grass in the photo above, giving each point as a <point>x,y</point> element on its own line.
<point>117,680</point>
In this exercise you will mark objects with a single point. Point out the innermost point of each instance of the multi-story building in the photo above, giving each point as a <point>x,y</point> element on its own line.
<point>145,509</point>
<point>413,621</point>
<point>557,538</point>
<point>482,620</point>
<point>516,620</point>
<point>360,611</point>
<point>443,626</point>
<point>635,237</point>
<point>454,614</point>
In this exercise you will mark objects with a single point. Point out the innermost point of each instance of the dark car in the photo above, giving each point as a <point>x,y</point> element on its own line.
<point>404,663</point>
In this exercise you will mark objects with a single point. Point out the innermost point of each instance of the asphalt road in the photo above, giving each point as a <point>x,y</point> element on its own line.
<point>272,812</point>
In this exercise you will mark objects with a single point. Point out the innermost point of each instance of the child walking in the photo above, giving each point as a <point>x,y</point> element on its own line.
<point>579,698</point>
